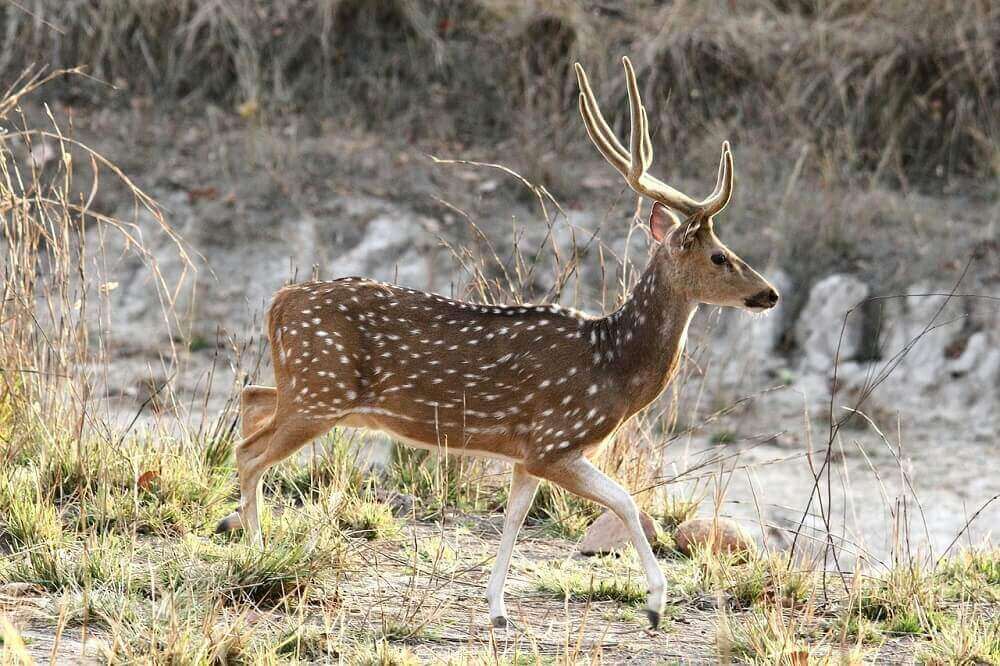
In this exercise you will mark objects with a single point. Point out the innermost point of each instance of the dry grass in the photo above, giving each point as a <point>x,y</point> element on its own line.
<point>52,309</point>
<point>330,584</point>
<point>902,90</point>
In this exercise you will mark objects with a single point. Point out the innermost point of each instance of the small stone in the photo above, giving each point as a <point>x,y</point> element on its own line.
<point>20,589</point>
<point>608,534</point>
<point>401,503</point>
<point>724,534</point>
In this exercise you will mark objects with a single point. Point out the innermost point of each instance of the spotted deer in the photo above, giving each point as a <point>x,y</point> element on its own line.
<point>539,386</point>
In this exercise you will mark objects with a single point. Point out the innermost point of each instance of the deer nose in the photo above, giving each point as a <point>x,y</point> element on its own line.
<point>766,299</point>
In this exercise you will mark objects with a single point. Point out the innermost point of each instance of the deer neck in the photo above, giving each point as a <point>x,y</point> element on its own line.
<point>643,341</point>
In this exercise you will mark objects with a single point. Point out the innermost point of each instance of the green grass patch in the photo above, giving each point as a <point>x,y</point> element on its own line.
<point>770,635</point>
<point>367,519</point>
<point>277,575</point>
<point>133,487</point>
<point>672,511</point>
<point>103,608</point>
<point>609,579</point>
<point>303,642</point>
<point>385,653</point>
<point>28,518</point>
<point>972,575</point>
<point>907,600</point>
<point>562,514</point>
<point>439,482</point>
<point>858,629</point>
<point>759,579</point>
<point>972,639</point>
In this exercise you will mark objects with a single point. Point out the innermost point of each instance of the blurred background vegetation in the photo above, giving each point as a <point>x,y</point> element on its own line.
<point>906,92</point>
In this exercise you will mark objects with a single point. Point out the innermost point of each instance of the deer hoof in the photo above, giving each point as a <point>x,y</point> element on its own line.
<point>499,622</point>
<point>229,524</point>
<point>654,619</point>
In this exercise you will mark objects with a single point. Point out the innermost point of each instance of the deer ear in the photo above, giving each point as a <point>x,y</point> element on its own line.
<point>662,221</point>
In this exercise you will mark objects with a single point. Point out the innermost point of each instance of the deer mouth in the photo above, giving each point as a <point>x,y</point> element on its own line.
<point>762,300</point>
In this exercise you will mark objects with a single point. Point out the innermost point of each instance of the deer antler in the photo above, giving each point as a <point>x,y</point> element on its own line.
<point>634,164</point>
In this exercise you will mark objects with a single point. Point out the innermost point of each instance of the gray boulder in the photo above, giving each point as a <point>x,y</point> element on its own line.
<point>818,329</point>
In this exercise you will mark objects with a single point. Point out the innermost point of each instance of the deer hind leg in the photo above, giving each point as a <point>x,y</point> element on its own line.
<point>256,406</point>
<point>273,442</point>
<point>522,493</point>
<point>580,477</point>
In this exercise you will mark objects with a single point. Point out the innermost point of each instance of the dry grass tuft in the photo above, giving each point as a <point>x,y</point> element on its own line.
<point>50,303</point>
<point>904,90</point>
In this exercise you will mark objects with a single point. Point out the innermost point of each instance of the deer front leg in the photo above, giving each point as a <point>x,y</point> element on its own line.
<point>580,477</point>
<point>522,493</point>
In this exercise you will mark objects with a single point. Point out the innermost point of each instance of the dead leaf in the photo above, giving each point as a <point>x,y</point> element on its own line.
<point>146,479</point>
<point>195,194</point>
<point>248,109</point>
<point>799,658</point>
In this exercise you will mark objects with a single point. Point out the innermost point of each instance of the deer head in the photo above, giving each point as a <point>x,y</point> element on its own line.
<point>690,256</point>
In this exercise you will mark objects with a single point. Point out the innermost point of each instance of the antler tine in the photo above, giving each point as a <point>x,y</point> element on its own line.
<point>717,200</point>
<point>640,143</point>
<point>639,136</point>
<point>640,180</point>
<point>633,164</point>
<point>616,160</point>
<point>647,145</point>
<point>597,128</point>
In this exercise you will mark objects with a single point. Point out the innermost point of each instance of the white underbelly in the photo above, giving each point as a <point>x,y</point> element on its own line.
<point>447,449</point>
<point>368,423</point>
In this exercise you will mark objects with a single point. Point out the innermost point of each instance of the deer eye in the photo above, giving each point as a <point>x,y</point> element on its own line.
<point>719,258</point>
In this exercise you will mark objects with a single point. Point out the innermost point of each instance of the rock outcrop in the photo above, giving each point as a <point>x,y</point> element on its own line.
<point>721,535</point>
<point>821,331</point>
<point>608,534</point>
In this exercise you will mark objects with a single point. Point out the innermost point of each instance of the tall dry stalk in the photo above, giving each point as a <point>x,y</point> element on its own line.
<point>54,300</point>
